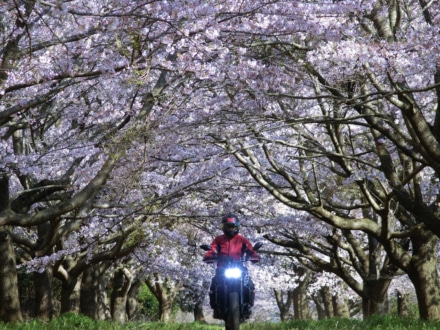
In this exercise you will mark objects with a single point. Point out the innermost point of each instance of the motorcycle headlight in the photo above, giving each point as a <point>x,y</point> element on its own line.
<point>233,273</point>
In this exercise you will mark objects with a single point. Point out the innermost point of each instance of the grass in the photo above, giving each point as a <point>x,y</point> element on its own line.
<point>72,322</point>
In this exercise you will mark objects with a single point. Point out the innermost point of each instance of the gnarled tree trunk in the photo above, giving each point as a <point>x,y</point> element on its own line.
<point>133,300</point>
<point>423,274</point>
<point>43,286</point>
<point>199,316</point>
<point>70,294</point>
<point>165,292</point>
<point>93,298</point>
<point>402,305</point>
<point>320,310</point>
<point>375,284</point>
<point>121,285</point>
<point>340,306</point>
<point>10,310</point>
<point>300,301</point>
<point>327,301</point>
<point>284,305</point>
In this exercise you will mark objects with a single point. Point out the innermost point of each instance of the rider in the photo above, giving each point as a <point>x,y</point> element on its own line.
<point>234,245</point>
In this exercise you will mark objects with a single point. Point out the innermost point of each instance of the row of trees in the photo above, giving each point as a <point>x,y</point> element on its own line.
<point>128,128</point>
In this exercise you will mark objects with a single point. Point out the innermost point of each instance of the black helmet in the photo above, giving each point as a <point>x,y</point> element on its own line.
<point>230,225</point>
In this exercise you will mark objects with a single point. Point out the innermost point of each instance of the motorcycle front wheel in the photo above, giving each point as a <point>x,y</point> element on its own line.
<point>233,317</point>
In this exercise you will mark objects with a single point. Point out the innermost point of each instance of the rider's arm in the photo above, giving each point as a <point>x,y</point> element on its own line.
<point>251,255</point>
<point>211,255</point>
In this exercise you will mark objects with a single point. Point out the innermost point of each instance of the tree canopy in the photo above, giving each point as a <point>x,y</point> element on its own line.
<point>128,125</point>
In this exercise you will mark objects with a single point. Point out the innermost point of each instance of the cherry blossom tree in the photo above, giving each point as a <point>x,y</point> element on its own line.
<point>78,88</point>
<point>359,261</point>
<point>343,120</point>
<point>113,110</point>
<point>334,114</point>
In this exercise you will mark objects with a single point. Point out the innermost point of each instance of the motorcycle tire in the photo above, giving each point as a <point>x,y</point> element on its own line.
<point>233,317</point>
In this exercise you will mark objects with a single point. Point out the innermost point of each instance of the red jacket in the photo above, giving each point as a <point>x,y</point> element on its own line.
<point>235,247</point>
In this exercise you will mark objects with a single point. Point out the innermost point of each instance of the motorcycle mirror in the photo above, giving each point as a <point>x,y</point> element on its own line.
<point>205,247</point>
<point>257,246</point>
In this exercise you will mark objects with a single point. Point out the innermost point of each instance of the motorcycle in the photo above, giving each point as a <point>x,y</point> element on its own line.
<point>231,281</point>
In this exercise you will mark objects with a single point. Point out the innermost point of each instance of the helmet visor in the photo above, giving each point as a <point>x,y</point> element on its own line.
<point>230,226</point>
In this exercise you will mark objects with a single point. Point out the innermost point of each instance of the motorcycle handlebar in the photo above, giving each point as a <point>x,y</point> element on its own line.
<point>207,247</point>
<point>256,247</point>
<point>229,259</point>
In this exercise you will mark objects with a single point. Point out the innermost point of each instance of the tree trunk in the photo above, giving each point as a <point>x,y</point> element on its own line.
<point>300,301</point>
<point>284,306</point>
<point>165,310</point>
<point>133,300</point>
<point>328,302</point>
<point>423,274</point>
<point>10,310</point>
<point>121,285</point>
<point>375,300</point>
<point>340,306</point>
<point>374,307</point>
<point>43,286</point>
<point>199,316</point>
<point>93,297</point>
<point>300,304</point>
<point>402,305</point>
<point>70,294</point>
<point>164,293</point>
<point>320,310</point>
<point>376,284</point>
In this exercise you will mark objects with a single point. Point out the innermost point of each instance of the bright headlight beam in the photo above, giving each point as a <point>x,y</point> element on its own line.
<point>233,273</point>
